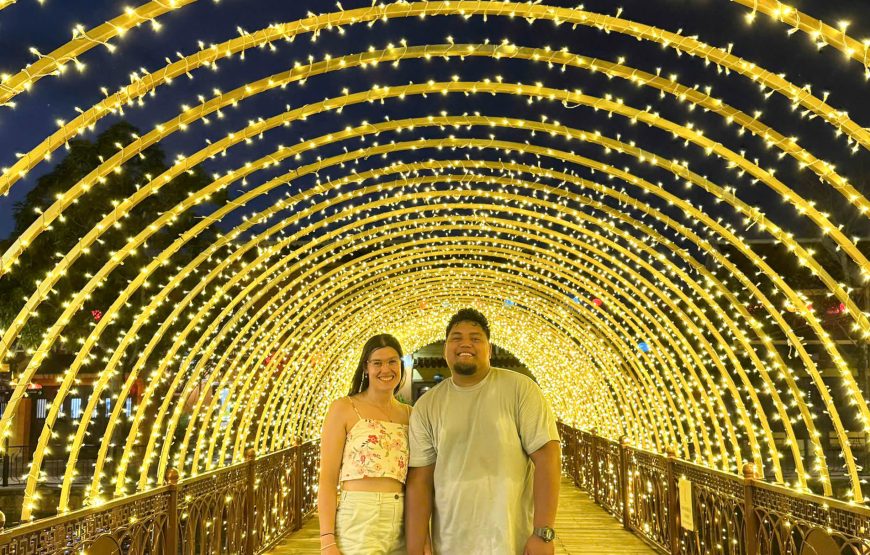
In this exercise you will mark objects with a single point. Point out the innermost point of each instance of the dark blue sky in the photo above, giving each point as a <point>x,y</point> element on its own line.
<point>718,22</point>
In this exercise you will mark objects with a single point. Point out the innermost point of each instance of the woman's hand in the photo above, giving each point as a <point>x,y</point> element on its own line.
<point>330,550</point>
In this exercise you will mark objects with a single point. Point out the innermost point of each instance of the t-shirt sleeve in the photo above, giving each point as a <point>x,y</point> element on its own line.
<point>420,440</point>
<point>537,425</point>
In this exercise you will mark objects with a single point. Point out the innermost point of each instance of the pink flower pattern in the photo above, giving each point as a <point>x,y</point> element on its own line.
<point>376,449</point>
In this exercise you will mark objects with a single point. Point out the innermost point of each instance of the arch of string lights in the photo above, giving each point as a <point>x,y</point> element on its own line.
<point>569,214</point>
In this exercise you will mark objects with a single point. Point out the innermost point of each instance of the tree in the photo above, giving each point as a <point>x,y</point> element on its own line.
<point>42,255</point>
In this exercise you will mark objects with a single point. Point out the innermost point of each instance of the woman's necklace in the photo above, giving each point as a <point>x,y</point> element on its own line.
<point>381,409</point>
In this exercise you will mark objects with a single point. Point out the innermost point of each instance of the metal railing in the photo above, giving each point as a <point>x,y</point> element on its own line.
<point>729,514</point>
<point>245,508</point>
<point>16,460</point>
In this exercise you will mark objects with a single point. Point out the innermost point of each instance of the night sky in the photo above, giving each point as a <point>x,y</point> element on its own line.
<point>719,22</point>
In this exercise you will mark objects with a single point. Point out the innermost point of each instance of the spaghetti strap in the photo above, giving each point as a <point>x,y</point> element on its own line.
<point>354,407</point>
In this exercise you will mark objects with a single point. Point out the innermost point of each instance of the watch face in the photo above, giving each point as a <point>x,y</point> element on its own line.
<point>549,534</point>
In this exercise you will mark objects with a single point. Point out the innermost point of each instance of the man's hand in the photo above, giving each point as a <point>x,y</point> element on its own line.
<point>537,546</point>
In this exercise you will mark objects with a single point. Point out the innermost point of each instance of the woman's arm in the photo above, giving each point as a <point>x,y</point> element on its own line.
<point>331,451</point>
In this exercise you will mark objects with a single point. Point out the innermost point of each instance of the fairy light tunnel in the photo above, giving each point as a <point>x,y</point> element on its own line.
<point>605,217</point>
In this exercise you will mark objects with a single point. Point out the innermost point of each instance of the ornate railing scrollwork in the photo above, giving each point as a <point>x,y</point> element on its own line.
<point>586,462</point>
<point>790,522</point>
<point>135,525</point>
<point>570,455</point>
<point>648,496</point>
<point>212,511</point>
<point>718,503</point>
<point>731,515</point>
<point>276,497</point>
<point>609,487</point>
<point>310,454</point>
<point>244,508</point>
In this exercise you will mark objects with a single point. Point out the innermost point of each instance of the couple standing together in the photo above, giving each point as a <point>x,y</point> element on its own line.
<point>478,456</point>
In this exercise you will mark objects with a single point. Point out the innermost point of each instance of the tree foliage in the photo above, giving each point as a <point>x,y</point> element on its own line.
<point>45,252</point>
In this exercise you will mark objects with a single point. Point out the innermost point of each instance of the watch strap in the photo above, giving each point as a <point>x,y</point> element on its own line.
<point>545,533</point>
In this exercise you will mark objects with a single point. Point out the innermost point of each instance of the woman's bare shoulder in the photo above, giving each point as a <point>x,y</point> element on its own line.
<point>341,407</point>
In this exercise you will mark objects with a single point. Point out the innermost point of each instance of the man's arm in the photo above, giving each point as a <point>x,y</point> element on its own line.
<point>547,461</point>
<point>418,507</point>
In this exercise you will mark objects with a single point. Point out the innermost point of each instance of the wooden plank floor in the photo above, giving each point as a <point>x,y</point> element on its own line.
<point>582,527</point>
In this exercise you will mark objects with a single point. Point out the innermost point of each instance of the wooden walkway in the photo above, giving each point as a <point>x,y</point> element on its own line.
<point>582,527</point>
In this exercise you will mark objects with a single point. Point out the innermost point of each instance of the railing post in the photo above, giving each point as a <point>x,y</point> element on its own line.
<point>596,472</point>
<point>750,519</point>
<point>6,462</point>
<point>624,477</point>
<point>299,486</point>
<point>577,452</point>
<point>673,505</point>
<point>250,514</point>
<point>172,510</point>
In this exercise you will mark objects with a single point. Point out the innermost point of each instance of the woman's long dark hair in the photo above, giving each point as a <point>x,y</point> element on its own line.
<point>360,378</point>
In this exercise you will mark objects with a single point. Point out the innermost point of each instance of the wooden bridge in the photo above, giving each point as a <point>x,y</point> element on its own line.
<point>614,499</point>
<point>581,525</point>
<point>676,251</point>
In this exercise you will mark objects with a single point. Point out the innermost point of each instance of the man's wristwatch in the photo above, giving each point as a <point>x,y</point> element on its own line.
<point>545,533</point>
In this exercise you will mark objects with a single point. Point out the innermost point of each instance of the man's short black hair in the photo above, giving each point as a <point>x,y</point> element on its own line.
<point>469,315</point>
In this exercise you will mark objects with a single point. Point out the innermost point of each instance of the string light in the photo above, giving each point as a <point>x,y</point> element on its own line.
<point>83,40</point>
<point>664,355</point>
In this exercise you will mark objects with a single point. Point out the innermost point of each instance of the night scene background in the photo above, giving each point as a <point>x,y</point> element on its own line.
<point>29,29</point>
<point>27,24</point>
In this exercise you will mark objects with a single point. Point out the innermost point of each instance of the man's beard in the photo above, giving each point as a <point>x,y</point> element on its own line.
<point>465,368</point>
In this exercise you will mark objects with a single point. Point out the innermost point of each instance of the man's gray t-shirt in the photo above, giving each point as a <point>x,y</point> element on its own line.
<point>479,439</point>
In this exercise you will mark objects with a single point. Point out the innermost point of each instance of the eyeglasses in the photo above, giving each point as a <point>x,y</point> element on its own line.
<point>378,364</point>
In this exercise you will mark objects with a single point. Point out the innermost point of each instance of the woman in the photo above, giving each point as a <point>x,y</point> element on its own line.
<point>364,447</point>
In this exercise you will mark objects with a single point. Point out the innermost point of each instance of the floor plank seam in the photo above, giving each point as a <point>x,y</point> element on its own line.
<point>582,528</point>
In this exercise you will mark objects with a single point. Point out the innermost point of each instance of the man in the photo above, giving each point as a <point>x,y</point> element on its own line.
<point>484,449</point>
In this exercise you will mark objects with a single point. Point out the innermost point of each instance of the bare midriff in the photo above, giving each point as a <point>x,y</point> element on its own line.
<point>378,485</point>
